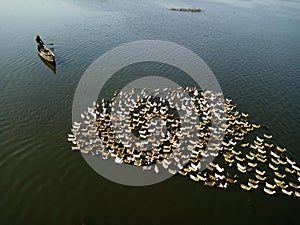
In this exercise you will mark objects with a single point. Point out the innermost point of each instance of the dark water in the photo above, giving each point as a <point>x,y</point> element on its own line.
<point>252,47</point>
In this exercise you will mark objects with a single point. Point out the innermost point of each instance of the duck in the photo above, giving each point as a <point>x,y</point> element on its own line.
<point>262,156</point>
<point>279,175</point>
<point>223,185</point>
<point>75,148</point>
<point>171,171</point>
<point>219,169</point>
<point>261,151</point>
<point>118,160</point>
<point>259,139</point>
<point>260,172</point>
<point>240,159</point>
<point>257,143</point>
<point>280,149</point>
<point>278,181</point>
<point>271,186</point>
<point>282,186</point>
<point>194,178</point>
<point>241,168</point>
<point>209,183</point>
<point>182,173</point>
<point>261,160</point>
<point>288,170</point>
<point>245,187</point>
<point>293,185</point>
<point>273,167</point>
<point>238,138</point>
<point>268,136</point>
<point>231,180</point>
<point>269,145</point>
<point>71,139</point>
<point>252,154</point>
<point>289,193</point>
<point>71,136</point>
<point>282,162</point>
<point>268,191</point>
<point>253,181</point>
<point>260,177</point>
<point>274,155</point>
<point>275,161</point>
<point>245,145</point>
<point>296,168</point>
<point>297,194</point>
<point>254,186</point>
<point>291,162</point>
<point>249,157</point>
<point>212,177</point>
<point>202,178</point>
<point>245,115</point>
<point>253,165</point>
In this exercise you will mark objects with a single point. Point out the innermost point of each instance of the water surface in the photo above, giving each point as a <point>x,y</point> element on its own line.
<point>252,47</point>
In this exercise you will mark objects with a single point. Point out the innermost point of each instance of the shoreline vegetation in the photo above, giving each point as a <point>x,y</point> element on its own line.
<point>185,9</point>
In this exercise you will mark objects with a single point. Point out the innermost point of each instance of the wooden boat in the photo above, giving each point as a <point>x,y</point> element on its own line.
<point>46,54</point>
<point>50,65</point>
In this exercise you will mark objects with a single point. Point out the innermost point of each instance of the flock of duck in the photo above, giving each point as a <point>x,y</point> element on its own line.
<point>190,132</point>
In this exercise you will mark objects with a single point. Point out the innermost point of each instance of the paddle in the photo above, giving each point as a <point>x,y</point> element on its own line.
<point>51,44</point>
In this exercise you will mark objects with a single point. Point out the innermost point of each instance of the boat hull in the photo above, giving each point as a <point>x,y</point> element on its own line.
<point>47,55</point>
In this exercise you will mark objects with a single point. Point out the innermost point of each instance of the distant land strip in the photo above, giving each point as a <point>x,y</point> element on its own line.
<point>186,9</point>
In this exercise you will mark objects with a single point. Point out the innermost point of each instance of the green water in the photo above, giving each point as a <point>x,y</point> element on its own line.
<point>252,47</point>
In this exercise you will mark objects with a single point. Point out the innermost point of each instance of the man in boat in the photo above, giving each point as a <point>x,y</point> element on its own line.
<point>40,43</point>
